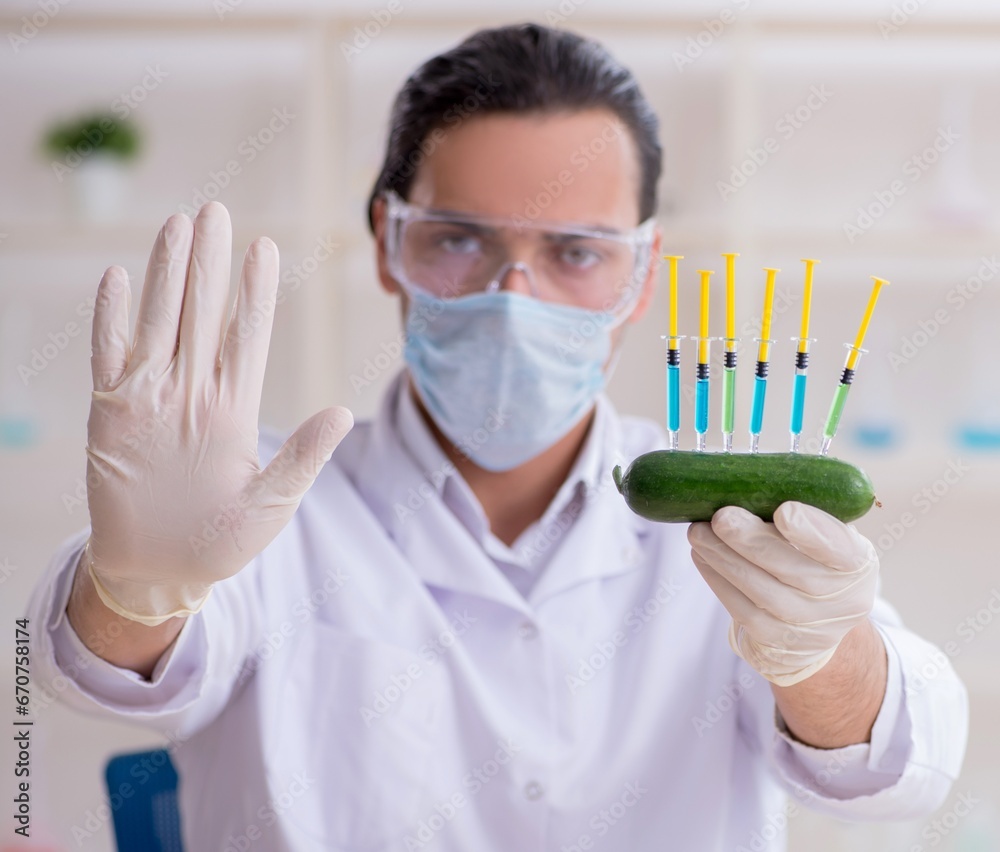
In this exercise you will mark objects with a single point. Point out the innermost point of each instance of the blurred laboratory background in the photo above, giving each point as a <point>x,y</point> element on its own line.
<point>862,134</point>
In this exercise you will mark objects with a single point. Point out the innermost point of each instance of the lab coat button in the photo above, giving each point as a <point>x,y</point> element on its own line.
<point>527,630</point>
<point>533,791</point>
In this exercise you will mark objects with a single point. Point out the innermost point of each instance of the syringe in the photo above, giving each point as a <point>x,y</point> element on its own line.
<point>853,354</point>
<point>729,363</point>
<point>802,358</point>
<point>701,396</point>
<point>763,357</point>
<point>673,360</point>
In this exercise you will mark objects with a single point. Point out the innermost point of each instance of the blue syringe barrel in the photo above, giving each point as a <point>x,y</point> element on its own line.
<point>759,391</point>
<point>673,390</point>
<point>701,399</point>
<point>798,401</point>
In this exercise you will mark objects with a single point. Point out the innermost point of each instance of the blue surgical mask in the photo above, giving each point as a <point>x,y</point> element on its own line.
<point>505,376</point>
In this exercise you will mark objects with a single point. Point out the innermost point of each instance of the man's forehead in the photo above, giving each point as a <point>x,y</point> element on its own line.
<point>571,167</point>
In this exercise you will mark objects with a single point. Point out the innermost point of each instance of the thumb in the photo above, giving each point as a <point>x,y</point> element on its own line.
<point>824,538</point>
<point>298,462</point>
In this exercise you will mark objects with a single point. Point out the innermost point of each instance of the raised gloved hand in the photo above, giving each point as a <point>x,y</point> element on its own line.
<point>177,497</point>
<point>794,588</point>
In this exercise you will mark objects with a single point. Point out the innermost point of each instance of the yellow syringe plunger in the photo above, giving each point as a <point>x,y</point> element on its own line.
<point>706,275</point>
<point>806,304</point>
<point>730,299</point>
<point>763,350</point>
<point>673,258</point>
<point>852,358</point>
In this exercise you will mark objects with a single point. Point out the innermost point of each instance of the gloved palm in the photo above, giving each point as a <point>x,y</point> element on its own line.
<point>177,497</point>
<point>795,588</point>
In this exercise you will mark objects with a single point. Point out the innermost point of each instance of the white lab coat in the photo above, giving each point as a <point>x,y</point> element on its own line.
<point>374,680</point>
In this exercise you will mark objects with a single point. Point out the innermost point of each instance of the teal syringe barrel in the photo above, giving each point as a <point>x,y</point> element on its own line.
<point>759,390</point>
<point>673,390</point>
<point>798,401</point>
<point>701,400</point>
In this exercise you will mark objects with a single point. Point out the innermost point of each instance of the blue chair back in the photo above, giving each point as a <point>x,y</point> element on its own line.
<point>142,788</point>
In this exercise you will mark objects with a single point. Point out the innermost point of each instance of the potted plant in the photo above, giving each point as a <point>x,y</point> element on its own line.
<point>90,153</point>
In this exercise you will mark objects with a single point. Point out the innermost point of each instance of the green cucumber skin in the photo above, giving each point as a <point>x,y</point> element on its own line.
<point>677,486</point>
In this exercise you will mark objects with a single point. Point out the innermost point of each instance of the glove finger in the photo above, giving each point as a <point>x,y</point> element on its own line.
<point>824,538</point>
<point>763,544</point>
<point>206,294</point>
<point>759,586</point>
<point>298,462</point>
<point>155,340</point>
<point>758,621</point>
<point>771,635</point>
<point>244,353</point>
<point>109,344</point>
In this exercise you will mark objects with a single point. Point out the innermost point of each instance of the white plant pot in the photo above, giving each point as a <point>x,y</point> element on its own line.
<point>99,186</point>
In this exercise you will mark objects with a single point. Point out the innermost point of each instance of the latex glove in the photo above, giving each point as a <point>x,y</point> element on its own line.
<point>794,588</point>
<point>177,498</point>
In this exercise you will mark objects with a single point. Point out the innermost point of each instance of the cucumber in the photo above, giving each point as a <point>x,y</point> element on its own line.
<point>678,486</point>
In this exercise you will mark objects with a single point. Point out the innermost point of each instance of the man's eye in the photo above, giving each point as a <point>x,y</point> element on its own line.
<point>457,244</point>
<point>579,257</point>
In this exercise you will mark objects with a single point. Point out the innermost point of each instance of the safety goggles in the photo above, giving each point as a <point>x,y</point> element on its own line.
<point>448,255</point>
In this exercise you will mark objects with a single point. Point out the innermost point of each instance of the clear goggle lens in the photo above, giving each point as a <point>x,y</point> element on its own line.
<point>450,255</point>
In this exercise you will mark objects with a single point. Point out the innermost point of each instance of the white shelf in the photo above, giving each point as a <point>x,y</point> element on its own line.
<point>127,236</point>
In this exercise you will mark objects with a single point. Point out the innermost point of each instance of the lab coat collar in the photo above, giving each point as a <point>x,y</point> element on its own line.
<point>406,494</point>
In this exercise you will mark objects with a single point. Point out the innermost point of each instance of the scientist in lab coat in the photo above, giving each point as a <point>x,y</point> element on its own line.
<point>443,629</point>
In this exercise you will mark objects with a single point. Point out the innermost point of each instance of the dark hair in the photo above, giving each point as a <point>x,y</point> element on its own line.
<point>519,68</point>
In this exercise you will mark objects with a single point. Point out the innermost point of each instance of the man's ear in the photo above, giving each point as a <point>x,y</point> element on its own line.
<point>649,285</point>
<point>389,284</point>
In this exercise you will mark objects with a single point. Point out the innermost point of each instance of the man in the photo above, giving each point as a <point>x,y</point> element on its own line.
<point>460,638</point>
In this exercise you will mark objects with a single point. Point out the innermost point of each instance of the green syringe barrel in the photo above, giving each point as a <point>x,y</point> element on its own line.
<point>728,400</point>
<point>836,410</point>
